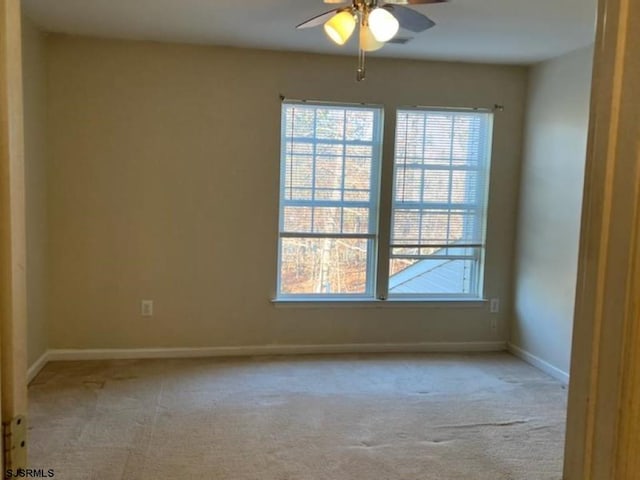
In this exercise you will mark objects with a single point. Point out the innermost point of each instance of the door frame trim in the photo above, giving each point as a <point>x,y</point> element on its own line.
<point>13,291</point>
<point>604,373</point>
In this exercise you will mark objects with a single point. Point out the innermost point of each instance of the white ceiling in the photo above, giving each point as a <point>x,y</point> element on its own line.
<point>500,31</point>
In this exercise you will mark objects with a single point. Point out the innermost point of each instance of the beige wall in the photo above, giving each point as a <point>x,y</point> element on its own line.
<point>550,207</point>
<point>164,185</point>
<point>35,113</point>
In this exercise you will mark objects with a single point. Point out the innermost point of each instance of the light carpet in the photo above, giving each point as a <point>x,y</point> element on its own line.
<point>343,417</point>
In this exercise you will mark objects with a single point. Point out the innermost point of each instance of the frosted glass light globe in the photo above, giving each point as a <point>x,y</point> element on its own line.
<point>383,25</point>
<point>368,42</point>
<point>340,27</point>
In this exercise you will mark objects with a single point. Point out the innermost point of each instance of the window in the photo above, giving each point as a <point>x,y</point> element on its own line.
<point>329,247</point>
<point>439,203</point>
<point>329,200</point>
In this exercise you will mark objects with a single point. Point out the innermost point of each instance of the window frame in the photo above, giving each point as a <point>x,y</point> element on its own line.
<point>383,186</point>
<point>374,221</point>
<point>480,256</point>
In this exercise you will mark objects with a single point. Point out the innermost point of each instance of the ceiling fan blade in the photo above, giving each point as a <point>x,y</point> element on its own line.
<point>318,19</point>
<point>410,19</point>
<point>400,40</point>
<point>414,2</point>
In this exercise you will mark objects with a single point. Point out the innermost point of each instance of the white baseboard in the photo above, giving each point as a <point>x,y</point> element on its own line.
<point>540,364</point>
<point>34,369</point>
<point>135,353</point>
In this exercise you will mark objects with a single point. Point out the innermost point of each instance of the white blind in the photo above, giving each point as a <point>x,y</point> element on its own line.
<point>440,178</point>
<point>329,169</point>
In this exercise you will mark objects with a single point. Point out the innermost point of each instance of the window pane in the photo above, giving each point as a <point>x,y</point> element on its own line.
<point>323,220</point>
<point>330,163</point>
<point>432,277</point>
<point>406,227</point>
<point>359,125</point>
<point>298,174</point>
<point>329,169</point>
<point>328,172</point>
<point>298,219</point>
<point>437,273</point>
<point>355,220</point>
<point>436,227</point>
<point>357,178</point>
<point>408,187</point>
<point>437,138</point>
<point>465,186</point>
<point>302,123</point>
<point>331,172</point>
<point>323,266</point>
<point>439,199</point>
<point>469,140</point>
<point>327,220</point>
<point>330,123</point>
<point>437,186</point>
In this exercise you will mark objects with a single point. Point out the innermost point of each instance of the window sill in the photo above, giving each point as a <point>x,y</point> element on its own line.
<point>374,303</point>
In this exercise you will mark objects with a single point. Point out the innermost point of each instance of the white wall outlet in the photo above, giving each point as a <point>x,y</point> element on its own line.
<point>146,309</point>
<point>494,305</point>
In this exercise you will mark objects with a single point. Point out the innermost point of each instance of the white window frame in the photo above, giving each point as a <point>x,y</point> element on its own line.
<point>479,247</point>
<point>379,252</point>
<point>374,205</point>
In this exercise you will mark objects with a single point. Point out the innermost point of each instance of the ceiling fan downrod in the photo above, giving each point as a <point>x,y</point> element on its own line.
<point>361,72</point>
<point>363,7</point>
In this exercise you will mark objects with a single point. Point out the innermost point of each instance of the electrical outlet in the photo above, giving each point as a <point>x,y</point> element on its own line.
<point>494,305</point>
<point>146,309</point>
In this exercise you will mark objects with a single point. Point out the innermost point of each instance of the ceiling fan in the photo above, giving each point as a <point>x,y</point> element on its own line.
<point>378,21</point>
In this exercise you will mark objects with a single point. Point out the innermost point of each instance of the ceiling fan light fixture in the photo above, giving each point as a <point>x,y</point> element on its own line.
<point>383,24</point>
<point>368,42</point>
<point>340,27</point>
